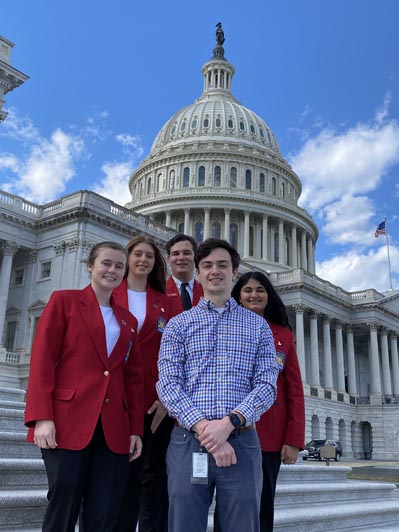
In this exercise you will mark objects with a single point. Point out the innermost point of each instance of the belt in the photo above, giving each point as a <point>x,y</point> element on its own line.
<point>234,432</point>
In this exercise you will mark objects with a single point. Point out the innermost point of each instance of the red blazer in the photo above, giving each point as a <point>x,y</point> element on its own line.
<point>172,291</point>
<point>284,422</point>
<point>159,310</point>
<point>72,380</point>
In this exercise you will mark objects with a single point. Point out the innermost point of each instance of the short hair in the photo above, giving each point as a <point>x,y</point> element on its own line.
<point>180,237</point>
<point>157,276</point>
<point>275,310</point>
<point>206,248</point>
<point>104,245</point>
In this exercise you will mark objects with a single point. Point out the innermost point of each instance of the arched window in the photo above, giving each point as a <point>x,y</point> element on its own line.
<point>216,230</point>
<point>234,235</point>
<point>248,179</point>
<point>172,180</point>
<point>159,182</point>
<point>233,177</point>
<point>276,254</point>
<point>201,176</point>
<point>217,176</point>
<point>283,190</point>
<point>273,186</point>
<point>149,185</point>
<point>261,182</point>
<point>199,231</point>
<point>186,177</point>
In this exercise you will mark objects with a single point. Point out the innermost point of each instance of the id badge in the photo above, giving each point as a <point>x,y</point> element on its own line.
<point>199,472</point>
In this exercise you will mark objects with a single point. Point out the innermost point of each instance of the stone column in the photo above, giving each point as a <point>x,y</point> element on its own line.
<point>227,224</point>
<point>340,358</point>
<point>265,240</point>
<point>310,254</point>
<point>328,378</point>
<point>186,221</point>
<point>395,363</point>
<point>300,340</point>
<point>304,260</point>
<point>246,234</point>
<point>207,222</point>
<point>281,242</point>
<point>294,250</point>
<point>386,371</point>
<point>314,350</point>
<point>9,249</point>
<point>168,218</point>
<point>352,387</point>
<point>375,376</point>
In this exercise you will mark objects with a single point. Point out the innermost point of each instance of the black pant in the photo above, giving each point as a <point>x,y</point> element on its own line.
<point>271,466</point>
<point>94,475</point>
<point>146,495</point>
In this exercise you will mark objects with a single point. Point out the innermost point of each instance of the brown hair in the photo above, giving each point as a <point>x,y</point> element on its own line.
<point>101,245</point>
<point>157,276</point>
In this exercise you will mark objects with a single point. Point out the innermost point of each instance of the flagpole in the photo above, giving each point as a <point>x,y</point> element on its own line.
<point>389,259</point>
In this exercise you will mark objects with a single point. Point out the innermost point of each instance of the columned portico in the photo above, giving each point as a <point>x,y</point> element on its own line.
<point>314,350</point>
<point>300,340</point>
<point>227,224</point>
<point>304,261</point>
<point>294,250</point>
<point>395,363</point>
<point>352,388</point>
<point>386,372</point>
<point>187,221</point>
<point>375,376</point>
<point>265,240</point>
<point>340,358</point>
<point>328,380</point>
<point>206,223</point>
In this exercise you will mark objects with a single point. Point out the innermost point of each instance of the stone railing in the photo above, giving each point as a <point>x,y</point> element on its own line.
<point>390,399</point>
<point>9,357</point>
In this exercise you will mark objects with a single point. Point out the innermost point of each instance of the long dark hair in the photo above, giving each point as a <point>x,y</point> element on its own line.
<point>275,311</point>
<point>157,276</point>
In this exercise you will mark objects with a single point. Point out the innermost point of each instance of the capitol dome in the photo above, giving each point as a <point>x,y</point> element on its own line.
<point>216,169</point>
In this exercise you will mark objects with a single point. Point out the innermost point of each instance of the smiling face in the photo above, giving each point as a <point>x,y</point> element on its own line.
<point>216,274</point>
<point>181,260</point>
<point>107,270</point>
<point>141,260</point>
<point>253,296</point>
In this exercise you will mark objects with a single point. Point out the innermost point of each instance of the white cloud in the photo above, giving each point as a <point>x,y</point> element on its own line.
<point>359,271</point>
<point>353,161</point>
<point>19,128</point>
<point>115,183</point>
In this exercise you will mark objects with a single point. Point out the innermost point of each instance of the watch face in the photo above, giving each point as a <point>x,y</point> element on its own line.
<point>235,420</point>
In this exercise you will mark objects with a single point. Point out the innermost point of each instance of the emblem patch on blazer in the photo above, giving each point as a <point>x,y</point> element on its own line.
<point>161,324</point>
<point>129,347</point>
<point>280,357</point>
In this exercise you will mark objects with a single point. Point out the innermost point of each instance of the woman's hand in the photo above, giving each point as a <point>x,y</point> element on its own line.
<point>135,448</point>
<point>289,454</point>
<point>160,413</point>
<point>44,434</point>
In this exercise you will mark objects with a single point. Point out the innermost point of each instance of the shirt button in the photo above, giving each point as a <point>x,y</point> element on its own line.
<point>106,373</point>
<point>106,400</point>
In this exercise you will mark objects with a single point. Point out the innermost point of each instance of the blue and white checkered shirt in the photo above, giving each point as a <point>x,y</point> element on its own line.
<point>212,363</point>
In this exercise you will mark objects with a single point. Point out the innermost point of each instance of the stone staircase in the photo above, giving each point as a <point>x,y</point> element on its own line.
<point>310,498</point>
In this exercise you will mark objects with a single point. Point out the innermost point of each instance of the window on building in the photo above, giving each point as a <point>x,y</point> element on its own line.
<point>248,179</point>
<point>216,230</point>
<point>149,186</point>
<point>233,177</point>
<point>252,128</point>
<point>206,122</point>
<point>234,235</point>
<point>199,231</point>
<point>45,269</point>
<point>276,242</point>
<point>186,177</point>
<point>19,276</point>
<point>159,182</point>
<point>11,331</point>
<point>230,123</point>
<point>242,125</point>
<point>194,123</point>
<point>180,227</point>
<point>261,182</point>
<point>283,190</point>
<point>217,177</point>
<point>172,179</point>
<point>201,176</point>
<point>273,186</point>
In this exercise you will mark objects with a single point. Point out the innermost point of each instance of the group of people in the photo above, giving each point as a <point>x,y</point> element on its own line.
<point>144,393</point>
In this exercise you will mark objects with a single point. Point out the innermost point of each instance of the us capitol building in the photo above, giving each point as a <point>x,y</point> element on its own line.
<point>215,169</point>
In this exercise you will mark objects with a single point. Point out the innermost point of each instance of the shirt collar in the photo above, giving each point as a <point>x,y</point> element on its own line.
<point>231,304</point>
<point>178,283</point>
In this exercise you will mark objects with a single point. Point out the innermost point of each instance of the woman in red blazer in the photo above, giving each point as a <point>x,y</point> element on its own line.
<point>85,397</point>
<point>143,293</point>
<point>281,429</point>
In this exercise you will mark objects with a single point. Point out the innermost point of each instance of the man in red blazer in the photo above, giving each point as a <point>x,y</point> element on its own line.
<point>182,286</point>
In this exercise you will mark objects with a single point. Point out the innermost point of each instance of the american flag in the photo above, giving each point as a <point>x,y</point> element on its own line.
<point>381,230</point>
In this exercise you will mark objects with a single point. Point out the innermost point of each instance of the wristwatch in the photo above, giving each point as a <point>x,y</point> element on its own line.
<point>235,420</point>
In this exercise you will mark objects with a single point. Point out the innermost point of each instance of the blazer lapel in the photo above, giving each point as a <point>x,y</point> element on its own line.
<point>155,312</point>
<point>92,318</point>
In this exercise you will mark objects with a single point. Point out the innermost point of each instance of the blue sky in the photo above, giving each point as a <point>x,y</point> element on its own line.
<point>105,77</point>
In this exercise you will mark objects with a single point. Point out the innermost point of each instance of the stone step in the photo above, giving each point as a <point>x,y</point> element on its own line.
<point>309,473</point>
<point>337,517</point>
<point>12,394</point>
<point>22,473</point>
<point>11,419</point>
<point>13,445</point>
<point>317,493</point>
<point>20,508</point>
<point>18,405</point>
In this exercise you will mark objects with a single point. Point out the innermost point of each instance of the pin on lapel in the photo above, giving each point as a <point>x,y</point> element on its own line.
<point>131,329</point>
<point>279,343</point>
<point>162,309</point>
<point>123,322</point>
